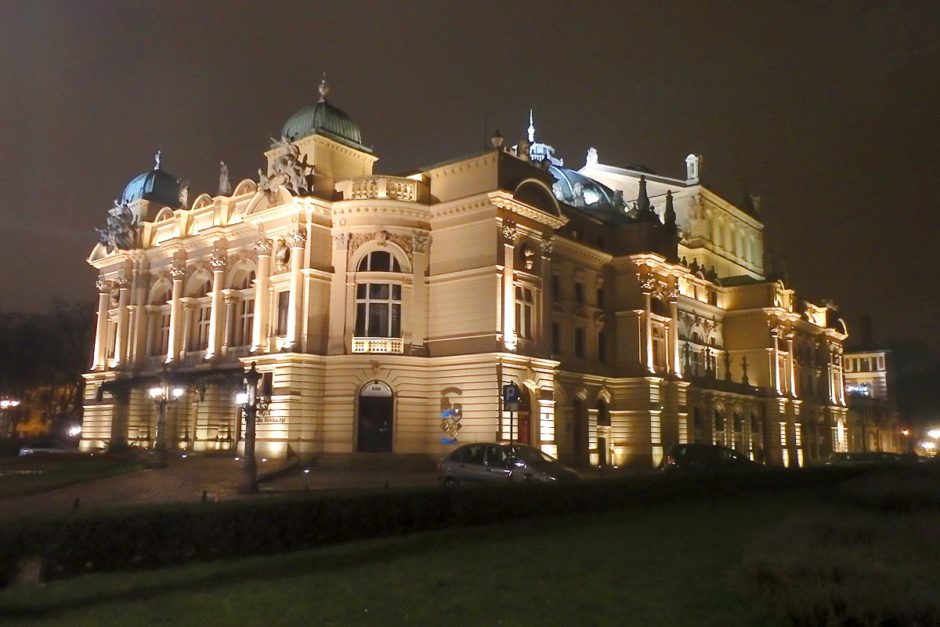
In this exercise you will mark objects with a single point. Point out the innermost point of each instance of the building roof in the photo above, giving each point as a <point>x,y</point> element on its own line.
<point>156,185</point>
<point>324,119</point>
<point>596,199</point>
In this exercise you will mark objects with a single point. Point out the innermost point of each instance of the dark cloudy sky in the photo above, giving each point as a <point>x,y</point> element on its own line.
<point>828,110</point>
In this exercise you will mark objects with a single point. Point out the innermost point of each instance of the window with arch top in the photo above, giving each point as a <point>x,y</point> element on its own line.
<point>378,300</point>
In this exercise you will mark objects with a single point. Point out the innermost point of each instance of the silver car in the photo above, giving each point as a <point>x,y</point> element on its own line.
<point>489,462</point>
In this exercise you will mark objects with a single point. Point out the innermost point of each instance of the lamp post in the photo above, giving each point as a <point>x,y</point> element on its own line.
<point>248,399</point>
<point>162,394</point>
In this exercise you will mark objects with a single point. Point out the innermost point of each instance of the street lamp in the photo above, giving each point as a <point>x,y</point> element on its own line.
<point>162,394</point>
<point>248,399</point>
<point>6,405</point>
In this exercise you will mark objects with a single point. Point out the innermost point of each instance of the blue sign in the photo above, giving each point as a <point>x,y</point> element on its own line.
<point>510,393</point>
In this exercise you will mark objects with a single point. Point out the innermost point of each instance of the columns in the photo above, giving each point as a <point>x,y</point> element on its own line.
<point>647,281</point>
<point>674,329</point>
<point>217,262</point>
<point>228,331</point>
<point>140,320</point>
<point>791,364</point>
<point>189,306</point>
<point>510,340</point>
<point>421,241</point>
<point>177,272</point>
<point>548,294</point>
<point>775,358</point>
<point>121,333</point>
<point>101,327</point>
<point>338,312</point>
<point>297,239</point>
<point>259,336</point>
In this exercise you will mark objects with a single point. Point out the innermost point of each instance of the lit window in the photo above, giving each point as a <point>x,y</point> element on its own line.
<point>524,316</point>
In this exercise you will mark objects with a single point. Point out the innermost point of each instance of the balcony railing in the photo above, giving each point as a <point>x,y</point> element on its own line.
<point>390,187</point>
<point>392,345</point>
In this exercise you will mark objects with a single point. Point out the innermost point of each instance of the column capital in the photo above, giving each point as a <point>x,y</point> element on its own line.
<point>421,241</point>
<point>547,247</point>
<point>263,246</point>
<point>297,238</point>
<point>340,241</point>
<point>103,285</point>
<point>509,232</point>
<point>218,260</point>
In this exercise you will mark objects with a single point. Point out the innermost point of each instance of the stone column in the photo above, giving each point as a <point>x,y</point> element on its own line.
<point>121,334</point>
<point>419,311</point>
<point>297,240</point>
<point>259,336</point>
<point>101,327</point>
<point>646,287</point>
<point>338,313</point>
<point>217,262</point>
<point>548,295</point>
<point>674,329</point>
<point>228,329</point>
<point>189,307</point>
<point>509,290</point>
<point>137,345</point>
<point>775,357</point>
<point>177,272</point>
<point>791,364</point>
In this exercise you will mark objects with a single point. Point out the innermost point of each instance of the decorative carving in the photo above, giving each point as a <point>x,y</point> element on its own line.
<point>340,241</point>
<point>420,241</point>
<point>527,254</point>
<point>297,238</point>
<point>103,285</point>
<point>358,239</point>
<point>178,265</point>
<point>381,238</point>
<point>263,246</point>
<point>120,231</point>
<point>218,257</point>
<point>288,170</point>
<point>647,282</point>
<point>672,292</point>
<point>547,247</point>
<point>509,231</point>
<point>403,241</point>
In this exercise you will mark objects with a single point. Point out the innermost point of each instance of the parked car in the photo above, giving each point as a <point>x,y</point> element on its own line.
<point>489,462</point>
<point>706,457</point>
<point>45,447</point>
<point>872,458</point>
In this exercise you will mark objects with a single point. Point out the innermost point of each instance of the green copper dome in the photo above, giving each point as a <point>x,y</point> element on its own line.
<point>324,119</point>
<point>155,185</point>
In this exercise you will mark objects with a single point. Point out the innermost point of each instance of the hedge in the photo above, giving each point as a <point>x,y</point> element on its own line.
<point>154,536</point>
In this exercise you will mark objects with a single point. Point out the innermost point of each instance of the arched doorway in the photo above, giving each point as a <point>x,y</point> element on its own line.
<point>376,418</point>
<point>528,425</point>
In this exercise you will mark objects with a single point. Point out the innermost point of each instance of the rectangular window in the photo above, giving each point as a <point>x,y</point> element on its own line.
<point>600,298</point>
<point>556,339</point>
<point>246,316</point>
<point>524,303</point>
<point>601,347</point>
<point>378,310</point>
<point>579,292</point>
<point>283,307</point>
<point>162,345</point>
<point>579,342</point>
<point>202,327</point>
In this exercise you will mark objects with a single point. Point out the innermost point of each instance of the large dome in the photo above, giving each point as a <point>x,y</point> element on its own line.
<point>155,185</point>
<point>324,119</point>
<point>577,190</point>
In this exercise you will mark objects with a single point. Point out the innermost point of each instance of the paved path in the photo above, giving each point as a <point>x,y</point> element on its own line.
<point>185,479</point>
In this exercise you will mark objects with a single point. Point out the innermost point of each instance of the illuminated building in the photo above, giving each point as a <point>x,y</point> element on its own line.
<point>873,419</point>
<point>386,312</point>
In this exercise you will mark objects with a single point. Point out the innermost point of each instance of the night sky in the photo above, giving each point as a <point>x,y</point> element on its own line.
<point>828,111</point>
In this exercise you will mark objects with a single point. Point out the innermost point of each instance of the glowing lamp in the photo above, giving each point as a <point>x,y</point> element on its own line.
<point>155,392</point>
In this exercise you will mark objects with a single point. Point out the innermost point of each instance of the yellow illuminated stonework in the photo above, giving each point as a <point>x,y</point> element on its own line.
<point>633,310</point>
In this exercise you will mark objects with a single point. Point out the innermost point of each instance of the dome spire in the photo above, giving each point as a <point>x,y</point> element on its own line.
<point>531,127</point>
<point>324,88</point>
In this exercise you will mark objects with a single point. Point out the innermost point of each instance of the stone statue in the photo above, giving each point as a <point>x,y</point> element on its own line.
<point>184,193</point>
<point>225,186</point>
<point>120,231</point>
<point>744,370</point>
<point>591,156</point>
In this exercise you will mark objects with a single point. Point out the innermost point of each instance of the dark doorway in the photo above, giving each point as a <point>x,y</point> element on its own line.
<point>579,427</point>
<point>376,417</point>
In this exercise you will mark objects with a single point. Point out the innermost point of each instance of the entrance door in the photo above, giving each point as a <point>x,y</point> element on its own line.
<point>376,417</point>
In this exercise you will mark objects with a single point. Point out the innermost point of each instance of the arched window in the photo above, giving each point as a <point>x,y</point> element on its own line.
<point>378,298</point>
<point>603,413</point>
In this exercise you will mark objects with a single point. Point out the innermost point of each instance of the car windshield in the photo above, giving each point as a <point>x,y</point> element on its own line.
<point>531,455</point>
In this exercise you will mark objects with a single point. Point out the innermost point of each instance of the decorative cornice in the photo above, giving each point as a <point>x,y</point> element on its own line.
<point>504,201</point>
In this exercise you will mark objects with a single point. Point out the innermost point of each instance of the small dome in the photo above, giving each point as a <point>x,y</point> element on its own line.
<point>324,119</point>
<point>155,185</point>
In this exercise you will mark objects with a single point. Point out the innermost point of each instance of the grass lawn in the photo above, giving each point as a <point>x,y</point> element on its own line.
<point>32,474</point>
<point>664,565</point>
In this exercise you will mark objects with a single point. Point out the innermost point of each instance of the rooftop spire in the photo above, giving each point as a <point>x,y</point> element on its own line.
<point>531,127</point>
<point>324,88</point>
<point>156,161</point>
<point>643,199</point>
<point>669,216</point>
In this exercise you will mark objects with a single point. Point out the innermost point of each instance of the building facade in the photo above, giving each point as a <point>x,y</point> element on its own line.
<point>873,417</point>
<point>386,312</point>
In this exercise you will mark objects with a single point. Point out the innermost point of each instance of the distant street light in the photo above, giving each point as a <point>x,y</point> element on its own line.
<point>162,394</point>
<point>934,433</point>
<point>6,407</point>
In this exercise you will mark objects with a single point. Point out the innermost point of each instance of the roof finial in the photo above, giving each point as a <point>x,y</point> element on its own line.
<point>156,161</point>
<point>531,127</point>
<point>324,88</point>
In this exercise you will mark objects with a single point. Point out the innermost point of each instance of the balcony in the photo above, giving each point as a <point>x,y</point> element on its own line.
<point>384,187</point>
<point>390,345</point>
